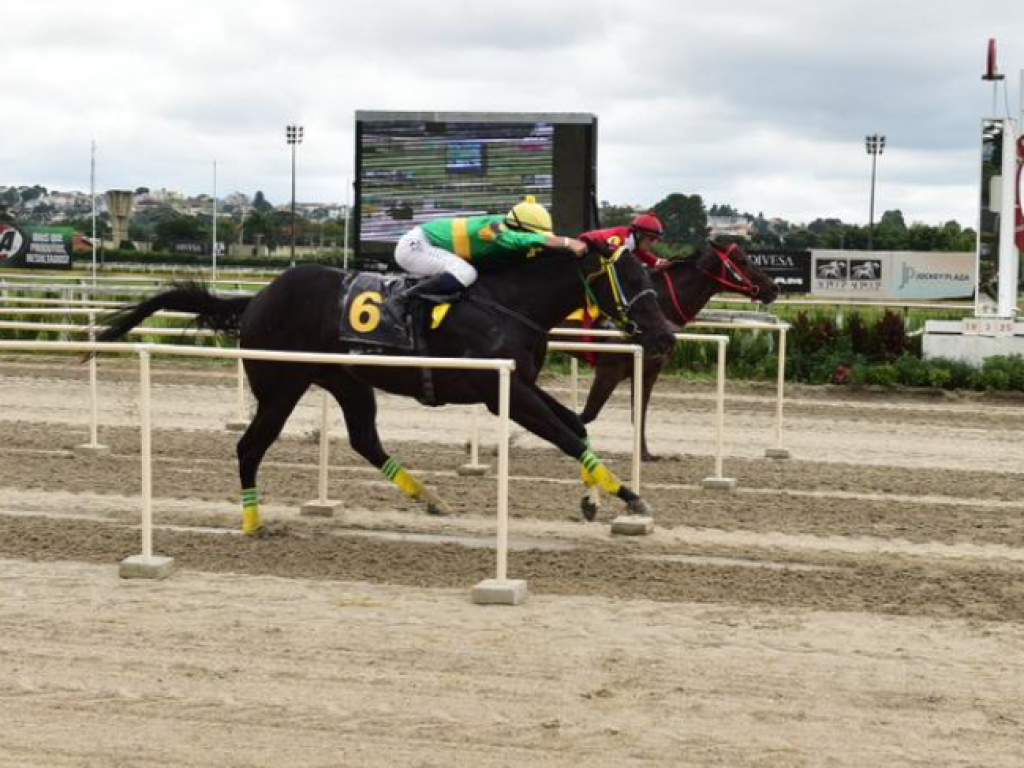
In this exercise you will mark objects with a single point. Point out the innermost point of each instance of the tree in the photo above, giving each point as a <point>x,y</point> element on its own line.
<point>722,210</point>
<point>260,203</point>
<point>615,215</point>
<point>177,229</point>
<point>891,232</point>
<point>684,218</point>
<point>260,226</point>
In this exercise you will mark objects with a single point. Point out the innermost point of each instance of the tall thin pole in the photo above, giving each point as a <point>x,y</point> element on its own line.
<point>213,245</point>
<point>92,194</point>
<point>875,145</point>
<point>293,203</point>
<point>294,135</point>
<point>871,214</point>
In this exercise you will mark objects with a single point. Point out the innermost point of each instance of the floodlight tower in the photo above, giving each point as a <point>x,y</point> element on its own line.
<point>294,134</point>
<point>875,145</point>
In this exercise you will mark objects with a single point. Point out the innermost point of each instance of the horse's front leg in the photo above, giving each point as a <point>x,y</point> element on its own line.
<point>652,369</point>
<point>607,375</point>
<point>590,504</point>
<point>531,409</point>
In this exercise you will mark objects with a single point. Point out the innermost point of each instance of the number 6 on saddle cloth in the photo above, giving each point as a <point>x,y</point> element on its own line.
<point>362,320</point>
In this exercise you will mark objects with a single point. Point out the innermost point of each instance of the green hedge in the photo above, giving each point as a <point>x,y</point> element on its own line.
<point>869,349</point>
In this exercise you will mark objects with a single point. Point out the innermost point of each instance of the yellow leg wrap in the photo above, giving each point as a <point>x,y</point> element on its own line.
<point>409,484</point>
<point>251,520</point>
<point>588,477</point>
<point>603,476</point>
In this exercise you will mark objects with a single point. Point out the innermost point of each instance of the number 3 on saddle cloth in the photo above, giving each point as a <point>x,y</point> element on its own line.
<point>362,320</point>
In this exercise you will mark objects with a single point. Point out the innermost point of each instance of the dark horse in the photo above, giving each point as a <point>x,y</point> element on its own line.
<point>683,288</point>
<point>504,315</point>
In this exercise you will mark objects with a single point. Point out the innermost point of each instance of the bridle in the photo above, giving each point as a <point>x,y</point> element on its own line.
<point>623,305</point>
<point>729,275</point>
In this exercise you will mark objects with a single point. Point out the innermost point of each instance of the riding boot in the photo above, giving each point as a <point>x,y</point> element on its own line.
<point>440,287</point>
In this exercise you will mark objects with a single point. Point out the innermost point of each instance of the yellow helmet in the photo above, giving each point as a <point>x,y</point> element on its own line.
<point>529,215</point>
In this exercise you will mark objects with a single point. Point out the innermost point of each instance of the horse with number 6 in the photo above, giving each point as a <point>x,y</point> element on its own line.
<point>505,315</point>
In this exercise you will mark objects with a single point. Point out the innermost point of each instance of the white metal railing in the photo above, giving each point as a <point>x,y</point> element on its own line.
<point>780,383</point>
<point>145,351</point>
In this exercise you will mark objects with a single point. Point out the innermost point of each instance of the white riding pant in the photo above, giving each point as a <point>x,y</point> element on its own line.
<point>419,258</point>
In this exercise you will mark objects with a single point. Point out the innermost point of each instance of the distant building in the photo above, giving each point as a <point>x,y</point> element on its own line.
<point>739,227</point>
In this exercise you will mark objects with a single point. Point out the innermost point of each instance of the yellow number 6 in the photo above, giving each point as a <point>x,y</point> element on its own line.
<point>365,313</point>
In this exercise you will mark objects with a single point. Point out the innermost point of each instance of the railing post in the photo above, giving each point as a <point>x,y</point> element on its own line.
<point>501,589</point>
<point>718,482</point>
<point>146,566</point>
<point>93,446</point>
<point>779,452</point>
<point>323,507</point>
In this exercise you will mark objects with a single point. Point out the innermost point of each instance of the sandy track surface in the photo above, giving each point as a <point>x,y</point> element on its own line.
<point>861,604</point>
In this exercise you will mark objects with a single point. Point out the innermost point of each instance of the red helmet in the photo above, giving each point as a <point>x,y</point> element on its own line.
<point>647,224</point>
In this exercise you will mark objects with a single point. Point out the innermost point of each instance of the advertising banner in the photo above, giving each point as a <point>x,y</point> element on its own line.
<point>41,247</point>
<point>932,275</point>
<point>894,275</point>
<point>791,270</point>
<point>850,274</point>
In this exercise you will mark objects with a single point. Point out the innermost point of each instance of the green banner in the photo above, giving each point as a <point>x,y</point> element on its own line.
<point>39,247</point>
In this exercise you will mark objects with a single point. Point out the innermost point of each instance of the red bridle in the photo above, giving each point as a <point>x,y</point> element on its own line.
<point>730,275</point>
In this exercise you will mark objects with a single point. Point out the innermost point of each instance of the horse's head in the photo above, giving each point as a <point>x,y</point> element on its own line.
<point>621,287</point>
<point>731,267</point>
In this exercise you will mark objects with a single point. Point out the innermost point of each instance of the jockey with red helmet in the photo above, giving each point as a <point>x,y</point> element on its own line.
<point>639,237</point>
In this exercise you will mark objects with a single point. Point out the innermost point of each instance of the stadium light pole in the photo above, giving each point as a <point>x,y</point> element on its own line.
<point>875,145</point>
<point>294,134</point>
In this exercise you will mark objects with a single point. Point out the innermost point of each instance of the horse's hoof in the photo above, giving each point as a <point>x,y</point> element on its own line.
<point>438,508</point>
<point>649,457</point>
<point>589,509</point>
<point>640,507</point>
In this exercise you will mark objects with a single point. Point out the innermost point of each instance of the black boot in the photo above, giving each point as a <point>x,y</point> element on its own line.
<point>442,287</point>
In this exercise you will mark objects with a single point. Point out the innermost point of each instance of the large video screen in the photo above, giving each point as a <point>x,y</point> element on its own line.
<point>415,167</point>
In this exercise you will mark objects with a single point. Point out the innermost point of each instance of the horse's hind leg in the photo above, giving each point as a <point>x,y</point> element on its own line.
<point>277,389</point>
<point>359,406</point>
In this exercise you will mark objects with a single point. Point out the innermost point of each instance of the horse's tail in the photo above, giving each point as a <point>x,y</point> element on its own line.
<point>213,312</point>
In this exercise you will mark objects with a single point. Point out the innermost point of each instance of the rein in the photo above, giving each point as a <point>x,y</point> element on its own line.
<point>506,311</point>
<point>675,299</point>
<point>623,306</point>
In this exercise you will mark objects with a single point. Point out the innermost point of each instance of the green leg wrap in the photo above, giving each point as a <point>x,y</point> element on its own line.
<point>251,511</point>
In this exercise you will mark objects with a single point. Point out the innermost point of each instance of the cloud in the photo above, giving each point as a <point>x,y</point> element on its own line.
<point>763,105</point>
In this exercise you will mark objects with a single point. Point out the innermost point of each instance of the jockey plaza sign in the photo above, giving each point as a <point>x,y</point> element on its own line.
<point>41,247</point>
<point>889,275</point>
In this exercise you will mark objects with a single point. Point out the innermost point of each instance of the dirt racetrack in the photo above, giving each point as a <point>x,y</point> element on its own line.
<point>861,604</point>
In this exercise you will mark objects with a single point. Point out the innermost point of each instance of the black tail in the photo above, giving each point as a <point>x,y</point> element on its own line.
<point>213,312</point>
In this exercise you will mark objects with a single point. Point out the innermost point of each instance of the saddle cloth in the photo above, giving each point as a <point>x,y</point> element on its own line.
<point>362,320</point>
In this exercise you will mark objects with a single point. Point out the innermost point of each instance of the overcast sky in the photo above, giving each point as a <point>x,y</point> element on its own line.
<point>761,104</point>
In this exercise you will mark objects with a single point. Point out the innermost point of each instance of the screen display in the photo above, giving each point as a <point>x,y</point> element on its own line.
<point>411,172</point>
